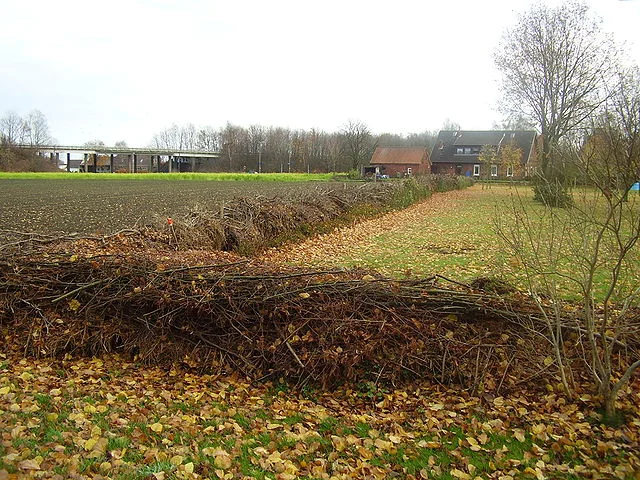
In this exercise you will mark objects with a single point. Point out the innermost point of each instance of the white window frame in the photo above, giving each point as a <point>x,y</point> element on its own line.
<point>494,170</point>
<point>408,170</point>
<point>476,170</point>
<point>509,171</point>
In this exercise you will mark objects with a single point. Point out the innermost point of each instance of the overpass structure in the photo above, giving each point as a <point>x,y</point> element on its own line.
<point>99,159</point>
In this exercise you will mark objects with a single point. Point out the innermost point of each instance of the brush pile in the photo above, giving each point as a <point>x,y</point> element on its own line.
<point>265,321</point>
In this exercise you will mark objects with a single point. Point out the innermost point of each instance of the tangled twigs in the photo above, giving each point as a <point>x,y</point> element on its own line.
<point>14,240</point>
<point>324,327</point>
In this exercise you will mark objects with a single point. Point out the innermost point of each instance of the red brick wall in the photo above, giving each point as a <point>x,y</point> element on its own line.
<point>394,169</point>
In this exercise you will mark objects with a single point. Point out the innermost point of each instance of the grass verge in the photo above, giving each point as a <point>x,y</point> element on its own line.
<point>222,177</point>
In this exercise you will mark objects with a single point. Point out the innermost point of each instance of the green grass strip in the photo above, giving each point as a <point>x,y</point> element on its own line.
<point>221,177</point>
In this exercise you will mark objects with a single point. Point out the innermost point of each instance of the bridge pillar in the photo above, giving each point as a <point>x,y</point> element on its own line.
<point>135,163</point>
<point>111,163</point>
<point>68,161</point>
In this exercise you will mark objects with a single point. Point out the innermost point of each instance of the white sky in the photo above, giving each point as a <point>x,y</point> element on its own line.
<point>124,70</point>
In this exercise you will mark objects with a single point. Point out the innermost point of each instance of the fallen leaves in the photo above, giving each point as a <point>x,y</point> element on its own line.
<point>114,419</point>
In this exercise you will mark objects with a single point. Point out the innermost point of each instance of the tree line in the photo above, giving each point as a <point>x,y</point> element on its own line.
<point>276,149</point>
<point>255,148</point>
<point>31,129</point>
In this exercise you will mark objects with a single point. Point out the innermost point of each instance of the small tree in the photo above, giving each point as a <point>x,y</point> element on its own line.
<point>488,157</point>
<point>590,247</point>
<point>509,158</point>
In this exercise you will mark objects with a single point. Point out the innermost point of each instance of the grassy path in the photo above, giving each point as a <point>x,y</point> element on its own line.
<point>450,233</point>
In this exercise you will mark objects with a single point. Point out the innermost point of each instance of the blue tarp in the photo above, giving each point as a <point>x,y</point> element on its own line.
<point>636,186</point>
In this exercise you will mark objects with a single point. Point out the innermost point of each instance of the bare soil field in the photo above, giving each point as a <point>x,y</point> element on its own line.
<point>97,207</point>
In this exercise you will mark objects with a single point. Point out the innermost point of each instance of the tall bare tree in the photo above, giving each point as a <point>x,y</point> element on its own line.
<point>358,143</point>
<point>36,129</point>
<point>11,128</point>
<point>555,64</point>
<point>31,130</point>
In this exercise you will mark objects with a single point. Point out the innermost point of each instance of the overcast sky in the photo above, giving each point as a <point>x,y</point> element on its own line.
<point>124,70</point>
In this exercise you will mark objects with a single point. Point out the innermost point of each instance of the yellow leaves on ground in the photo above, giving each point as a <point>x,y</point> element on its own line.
<point>87,418</point>
<point>74,305</point>
<point>156,427</point>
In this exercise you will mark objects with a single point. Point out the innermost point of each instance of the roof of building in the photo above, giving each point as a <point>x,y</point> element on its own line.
<point>399,155</point>
<point>444,150</point>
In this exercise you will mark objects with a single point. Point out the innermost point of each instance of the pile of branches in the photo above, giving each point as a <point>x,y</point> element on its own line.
<point>251,223</point>
<point>233,314</point>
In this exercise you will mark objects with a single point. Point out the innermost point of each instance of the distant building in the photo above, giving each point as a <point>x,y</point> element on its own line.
<point>457,152</point>
<point>400,161</point>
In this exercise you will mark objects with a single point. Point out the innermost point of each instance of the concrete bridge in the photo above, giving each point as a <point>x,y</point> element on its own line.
<point>100,159</point>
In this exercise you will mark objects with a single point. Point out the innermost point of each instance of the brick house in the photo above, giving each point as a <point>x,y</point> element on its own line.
<point>457,153</point>
<point>400,161</point>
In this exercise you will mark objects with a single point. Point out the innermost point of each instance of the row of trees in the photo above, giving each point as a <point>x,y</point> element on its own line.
<point>256,148</point>
<point>31,129</point>
<point>276,149</point>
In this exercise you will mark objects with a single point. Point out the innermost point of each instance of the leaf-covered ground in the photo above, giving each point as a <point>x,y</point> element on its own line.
<point>110,418</point>
<point>113,418</point>
<point>451,234</point>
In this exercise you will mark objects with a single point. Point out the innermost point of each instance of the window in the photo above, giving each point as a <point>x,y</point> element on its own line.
<point>408,170</point>
<point>494,170</point>
<point>509,171</point>
<point>467,150</point>
<point>476,170</point>
<point>459,150</point>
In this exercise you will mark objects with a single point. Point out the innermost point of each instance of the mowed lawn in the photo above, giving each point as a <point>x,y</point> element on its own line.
<point>453,234</point>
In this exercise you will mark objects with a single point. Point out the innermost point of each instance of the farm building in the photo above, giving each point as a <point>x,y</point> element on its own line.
<point>458,153</point>
<point>400,161</point>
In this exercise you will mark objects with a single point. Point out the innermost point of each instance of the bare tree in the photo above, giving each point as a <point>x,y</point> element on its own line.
<point>358,143</point>
<point>610,155</point>
<point>11,128</point>
<point>230,142</point>
<point>31,130</point>
<point>208,140</point>
<point>451,125</point>
<point>36,129</point>
<point>94,143</point>
<point>555,64</point>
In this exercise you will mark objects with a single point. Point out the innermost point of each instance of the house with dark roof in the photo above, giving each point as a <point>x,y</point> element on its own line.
<point>457,152</point>
<point>400,161</point>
